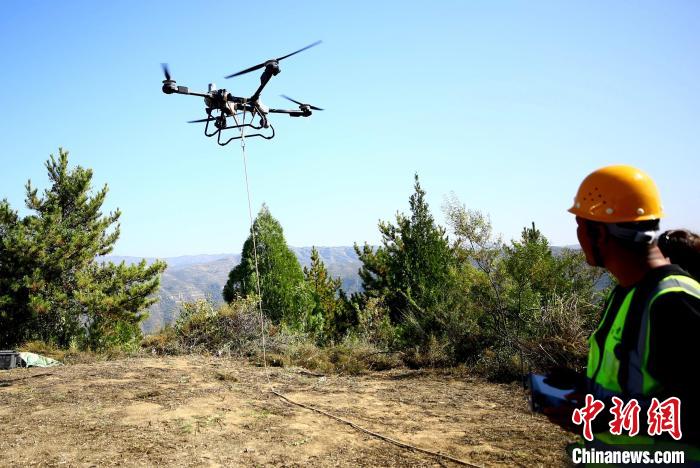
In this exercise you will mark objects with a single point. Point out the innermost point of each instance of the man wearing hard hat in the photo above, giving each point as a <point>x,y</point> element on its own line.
<point>647,343</point>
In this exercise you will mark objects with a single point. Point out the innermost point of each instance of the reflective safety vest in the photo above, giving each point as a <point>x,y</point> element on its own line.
<point>605,370</point>
<point>604,364</point>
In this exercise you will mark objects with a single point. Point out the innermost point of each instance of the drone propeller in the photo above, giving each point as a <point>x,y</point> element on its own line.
<point>166,71</point>
<point>301,104</point>
<point>300,50</point>
<point>261,65</point>
<point>202,120</point>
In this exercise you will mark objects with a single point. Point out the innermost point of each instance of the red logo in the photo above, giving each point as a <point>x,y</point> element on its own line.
<point>587,414</point>
<point>625,417</point>
<point>665,417</point>
<point>662,417</point>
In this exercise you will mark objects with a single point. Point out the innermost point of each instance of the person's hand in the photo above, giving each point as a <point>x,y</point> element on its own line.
<point>564,378</point>
<point>561,415</point>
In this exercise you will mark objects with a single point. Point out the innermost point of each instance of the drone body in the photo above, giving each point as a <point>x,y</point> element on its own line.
<point>226,105</point>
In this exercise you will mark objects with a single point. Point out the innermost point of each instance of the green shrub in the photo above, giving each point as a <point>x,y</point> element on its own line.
<point>561,339</point>
<point>234,330</point>
<point>163,342</point>
<point>374,325</point>
<point>229,329</point>
<point>499,364</point>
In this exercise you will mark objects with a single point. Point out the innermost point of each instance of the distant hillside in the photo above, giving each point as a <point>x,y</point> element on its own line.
<point>193,277</point>
<point>342,262</point>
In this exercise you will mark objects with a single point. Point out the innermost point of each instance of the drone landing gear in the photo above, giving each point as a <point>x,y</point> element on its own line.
<point>221,124</point>
<point>248,135</point>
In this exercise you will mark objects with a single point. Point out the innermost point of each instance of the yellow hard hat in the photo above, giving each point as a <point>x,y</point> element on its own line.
<point>618,194</point>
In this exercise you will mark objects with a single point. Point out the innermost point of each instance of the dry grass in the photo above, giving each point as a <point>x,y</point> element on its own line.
<point>194,411</point>
<point>75,356</point>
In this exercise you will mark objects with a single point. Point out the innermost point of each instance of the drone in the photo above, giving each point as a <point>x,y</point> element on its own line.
<point>220,105</point>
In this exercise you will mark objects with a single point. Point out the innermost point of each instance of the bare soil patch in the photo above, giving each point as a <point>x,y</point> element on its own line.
<point>199,411</point>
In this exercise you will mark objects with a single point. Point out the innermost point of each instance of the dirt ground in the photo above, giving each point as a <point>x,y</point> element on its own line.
<point>196,411</point>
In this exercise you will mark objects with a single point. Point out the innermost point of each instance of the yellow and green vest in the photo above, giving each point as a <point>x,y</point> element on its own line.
<point>604,365</point>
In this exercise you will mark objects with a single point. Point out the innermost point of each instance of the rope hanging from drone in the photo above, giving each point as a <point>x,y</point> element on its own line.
<point>242,137</point>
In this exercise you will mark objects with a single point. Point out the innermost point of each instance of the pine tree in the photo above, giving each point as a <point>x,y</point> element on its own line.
<point>411,268</point>
<point>15,252</point>
<point>117,296</point>
<point>284,294</point>
<point>330,316</point>
<point>53,287</point>
<point>537,276</point>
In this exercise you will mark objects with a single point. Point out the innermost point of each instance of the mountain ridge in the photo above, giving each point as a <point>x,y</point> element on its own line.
<point>192,277</point>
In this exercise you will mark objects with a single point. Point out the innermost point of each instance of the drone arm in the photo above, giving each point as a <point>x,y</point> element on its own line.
<point>169,87</point>
<point>186,90</point>
<point>264,78</point>
<point>194,93</point>
<point>291,113</point>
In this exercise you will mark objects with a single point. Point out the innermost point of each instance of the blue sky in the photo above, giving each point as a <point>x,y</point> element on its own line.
<point>507,104</point>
